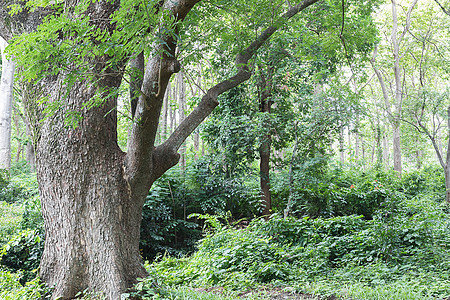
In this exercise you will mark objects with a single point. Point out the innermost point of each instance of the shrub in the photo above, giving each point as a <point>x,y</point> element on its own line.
<point>10,220</point>
<point>17,188</point>
<point>32,215</point>
<point>304,250</point>
<point>199,189</point>
<point>321,193</point>
<point>23,253</point>
<point>165,227</point>
<point>429,181</point>
<point>12,289</point>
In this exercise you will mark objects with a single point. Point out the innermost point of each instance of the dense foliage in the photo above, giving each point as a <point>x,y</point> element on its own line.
<point>405,243</point>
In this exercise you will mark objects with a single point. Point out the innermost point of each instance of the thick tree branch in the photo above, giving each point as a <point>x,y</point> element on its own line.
<point>159,69</point>
<point>209,100</point>
<point>137,66</point>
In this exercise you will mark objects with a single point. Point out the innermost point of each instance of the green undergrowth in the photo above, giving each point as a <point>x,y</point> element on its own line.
<point>10,220</point>
<point>21,236</point>
<point>402,253</point>
<point>12,289</point>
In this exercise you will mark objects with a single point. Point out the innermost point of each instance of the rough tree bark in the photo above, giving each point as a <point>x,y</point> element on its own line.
<point>91,192</point>
<point>6,95</point>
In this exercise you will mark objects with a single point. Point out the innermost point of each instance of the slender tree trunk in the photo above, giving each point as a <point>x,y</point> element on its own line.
<point>165,113</point>
<point>19,144</point>
<point>182,115</point>
<point>446,165</point>
<point>447,184</point>
<point>264,166</point>
<point>203,148</point>
<point>398,82</point>
<point>6,95</point>
<point>173,109</point>
<point>419,154</point>
<point>398,92</point>
<point>30,145</point>
<point>196,144</point>
<point>30,155</point>
<point>363,150</point>
<point>341,145</point>
<point>397,149</point>
<point>379,149</point>
<point>439,140</point>
<point>385,151</point>
<point>395,114</point>
<point>197,131</point>
<point>350,146</point>
<point>265,102</point>
<point>357,145</point>
<point>291,177</point>
<point>372,156</point>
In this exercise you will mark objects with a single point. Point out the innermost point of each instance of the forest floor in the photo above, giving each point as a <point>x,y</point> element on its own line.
<point>272,293</point>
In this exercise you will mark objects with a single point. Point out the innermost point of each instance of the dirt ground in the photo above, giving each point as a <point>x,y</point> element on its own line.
<point>273,294</point>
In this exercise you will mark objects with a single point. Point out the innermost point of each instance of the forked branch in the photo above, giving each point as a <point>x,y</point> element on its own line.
<point>209,100</point>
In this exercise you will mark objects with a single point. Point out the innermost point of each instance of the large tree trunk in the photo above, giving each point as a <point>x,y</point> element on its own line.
<point>92,218</point>
<point>6,95</point>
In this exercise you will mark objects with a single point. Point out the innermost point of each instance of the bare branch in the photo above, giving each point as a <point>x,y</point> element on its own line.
<point>446,11</point>
<point>381,80</point>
